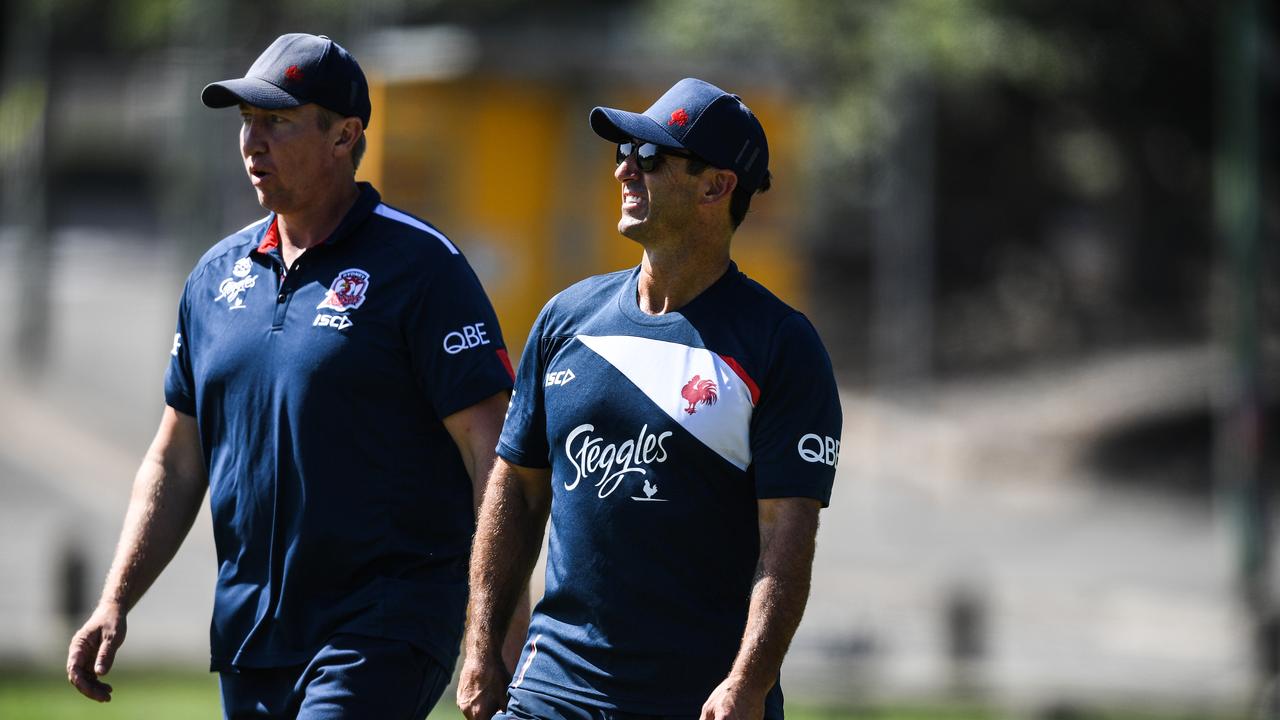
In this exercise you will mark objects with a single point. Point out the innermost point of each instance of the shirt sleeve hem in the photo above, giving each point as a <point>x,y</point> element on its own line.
<point>485,391</point>
<point>181,403</point>
<point>523,459</point>
<point>820,494</point>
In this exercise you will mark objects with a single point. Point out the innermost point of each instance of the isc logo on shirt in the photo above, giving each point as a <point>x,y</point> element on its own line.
<point>337,322</point>
<point>561,377</point>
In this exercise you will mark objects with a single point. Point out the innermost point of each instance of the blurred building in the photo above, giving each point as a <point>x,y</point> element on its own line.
<point>495,150</point>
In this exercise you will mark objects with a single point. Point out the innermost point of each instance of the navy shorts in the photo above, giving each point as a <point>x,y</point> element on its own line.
<point>529,705</point>
<point>351,677</point>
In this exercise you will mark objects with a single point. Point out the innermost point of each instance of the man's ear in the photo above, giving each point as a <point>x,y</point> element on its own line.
<point>350,130</point>
<point>720,185</point>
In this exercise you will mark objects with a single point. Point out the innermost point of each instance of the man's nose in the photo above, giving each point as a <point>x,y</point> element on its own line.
<point>252,140</point>
<point>627,169</point>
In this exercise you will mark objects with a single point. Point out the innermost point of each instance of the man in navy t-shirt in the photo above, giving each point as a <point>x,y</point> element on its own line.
<point>680,426</point>
<point>337,383</point>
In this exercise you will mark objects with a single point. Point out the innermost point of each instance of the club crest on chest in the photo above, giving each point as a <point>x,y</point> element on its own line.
<point>347,291</point>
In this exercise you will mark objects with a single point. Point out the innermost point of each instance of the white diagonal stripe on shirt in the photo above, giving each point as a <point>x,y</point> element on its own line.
<point>661,369</point>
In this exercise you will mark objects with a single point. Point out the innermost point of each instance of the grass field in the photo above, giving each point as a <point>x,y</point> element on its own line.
<point>137,697</point>
<point>187,696</point>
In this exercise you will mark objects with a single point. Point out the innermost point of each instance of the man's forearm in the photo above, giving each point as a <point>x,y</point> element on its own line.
<point>508,538</point>
<point>779,594</point>
<point>162,508</point>
<point>777,605</point>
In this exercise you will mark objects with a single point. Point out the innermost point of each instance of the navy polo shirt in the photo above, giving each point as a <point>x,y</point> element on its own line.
<point>340,502</point>
<point>662,433</point>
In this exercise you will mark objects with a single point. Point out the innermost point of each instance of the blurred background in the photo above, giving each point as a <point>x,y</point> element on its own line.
<point>1037,236</point>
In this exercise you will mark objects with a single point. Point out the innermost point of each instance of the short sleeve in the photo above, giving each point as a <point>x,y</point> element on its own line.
<point>524,434</point>
<point>179,381</point>
<point>454,340</point>
<point>795,433</point>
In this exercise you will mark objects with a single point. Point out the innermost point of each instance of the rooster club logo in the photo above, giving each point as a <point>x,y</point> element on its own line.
<point>293,73</point>
<point>679,117</point>
<point>590,456</point>
<point>347,291</point>
<point>649,492</point>
<point>698,392</point>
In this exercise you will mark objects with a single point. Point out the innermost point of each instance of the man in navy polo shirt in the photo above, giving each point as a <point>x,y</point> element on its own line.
<point>680,426</point>
<point>338,382</point>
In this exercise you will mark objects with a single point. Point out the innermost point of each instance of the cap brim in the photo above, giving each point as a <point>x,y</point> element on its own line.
<point>251,91</point>
<point>620,126</point>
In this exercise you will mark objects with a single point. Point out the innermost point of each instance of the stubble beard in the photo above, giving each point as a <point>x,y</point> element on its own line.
<point>277,201</point>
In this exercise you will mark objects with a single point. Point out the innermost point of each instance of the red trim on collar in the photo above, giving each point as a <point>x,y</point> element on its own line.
<point>270,240</point>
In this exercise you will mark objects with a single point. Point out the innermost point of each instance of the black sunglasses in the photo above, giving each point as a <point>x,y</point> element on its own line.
<point>647,154</point>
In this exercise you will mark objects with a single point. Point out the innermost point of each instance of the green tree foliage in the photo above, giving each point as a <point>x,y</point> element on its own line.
<point>852,53</point>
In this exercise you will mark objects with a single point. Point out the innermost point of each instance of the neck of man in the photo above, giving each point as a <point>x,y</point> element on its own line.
<point>307,227</point>
<point>673,274</point>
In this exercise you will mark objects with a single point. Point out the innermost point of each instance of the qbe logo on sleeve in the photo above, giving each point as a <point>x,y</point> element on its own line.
<point>819,449</point>
<point>465,338</point>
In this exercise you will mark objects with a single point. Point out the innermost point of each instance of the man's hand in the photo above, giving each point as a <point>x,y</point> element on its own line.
<point>730,701</point>
<point>93,650</point>
<point>482,688</point>
<point>167,492</point>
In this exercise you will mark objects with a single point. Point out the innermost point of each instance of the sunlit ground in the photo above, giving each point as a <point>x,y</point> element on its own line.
<point>189,696</point>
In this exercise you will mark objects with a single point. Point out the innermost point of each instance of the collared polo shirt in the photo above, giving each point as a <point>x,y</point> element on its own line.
<point>340,502</point>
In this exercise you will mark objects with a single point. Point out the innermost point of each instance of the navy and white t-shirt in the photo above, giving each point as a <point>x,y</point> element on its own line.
<point>661,433</point>
<point>340,501</point>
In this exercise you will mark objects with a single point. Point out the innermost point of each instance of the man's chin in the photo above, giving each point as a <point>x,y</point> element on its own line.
<point>267,201</point>
<point>631,228</point>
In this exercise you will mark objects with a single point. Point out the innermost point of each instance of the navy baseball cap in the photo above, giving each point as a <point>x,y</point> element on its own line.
<point>295,70</point>
<point>697,116</point>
